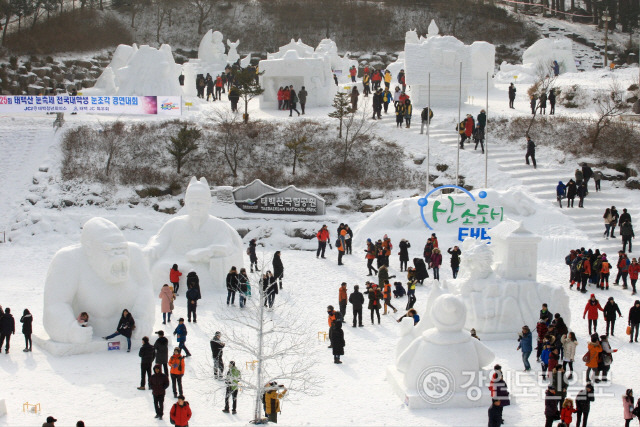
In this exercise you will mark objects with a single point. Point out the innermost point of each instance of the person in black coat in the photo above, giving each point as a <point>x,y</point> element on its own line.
<point>161,347</point>
<point>609,311</point>
<point>634,321</point>
<point>216,352</point>
<point>158,383</point>
<point>193,295</point>
<point>270,289</point>
<point>232,285</point>
<point>193,280</point>
<point>531,152</point>
<point>7,328</point>
<point>147,353</point>
<point>336,336</point>
<point>209,83</point>
<point>253,258</point>
<point>551,412</point>
<point>404,253</point>
<point>420,270</point>
<point>377,104</point>
<point>357,300</point>
<point>512,95</point>
<point>572,190</point>
<point>455,260</point>
<point>278,268</point>
<point>27,329</point>
<point>582,193</point>
<point>552,101</point>
<point>583,404</point>
<point>495,414</point>
<point>125,328</point>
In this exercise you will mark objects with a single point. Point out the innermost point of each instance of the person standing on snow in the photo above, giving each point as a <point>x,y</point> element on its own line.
<point>512,95</point>
<point>232,382</point>
<point>166,306</point>
<point>614,222</point>
<point>174,278</point>
<point>342,299</point>
<point>193,295</point>
<point>531,152</point>
<point>27,329</point>
<point>180,413</point>
<point>377,104</point>
<point>404,246</point>
<point>177,371</point>
<point>158,383</point>
<point>455,260</point>
<point>626,231</point>
<point>302,97</point>
<point>610,309</point>
<point>232,285</point>
<point>426,115</point>
<point>278,268</point>
<point>181,336</point>
<point>592,308</point>
<point>526,346</point>
<point>147,354</point>
<point>572,190</point>
<point>357,300</point>
<point>161,348</point>
<point>336,336</point>
<point>323,239</point>
<point>634,321</point>
<point>436,262</point>
<point>217,347</point>
<point>354,98</point>
<point>253,258</point>
<point>374,301</point>
<point>561,192</point>
<point>552,101</point>
<point>583,404</point>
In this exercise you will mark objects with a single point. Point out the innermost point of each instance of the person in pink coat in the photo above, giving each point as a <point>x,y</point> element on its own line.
<point>166,296</point>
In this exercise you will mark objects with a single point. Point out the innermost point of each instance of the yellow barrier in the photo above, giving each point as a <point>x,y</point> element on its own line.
<point>30,407</point>
<point>323,334</point>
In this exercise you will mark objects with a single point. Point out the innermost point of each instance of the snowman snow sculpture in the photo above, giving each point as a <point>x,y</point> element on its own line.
<point>442,367</point>
<point>196,241</point>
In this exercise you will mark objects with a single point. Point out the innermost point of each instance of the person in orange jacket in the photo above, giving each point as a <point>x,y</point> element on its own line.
<point>386,295</point>
<point>342,299</point>
<point>180,412</point>
<point>604,272</point>
<point>219,84</point>
<point>585,273</point>
<point>594,356</point>
<point>591,309</point>
<point>323,239</point>
<point>370,256</point>
<point>176,362</point>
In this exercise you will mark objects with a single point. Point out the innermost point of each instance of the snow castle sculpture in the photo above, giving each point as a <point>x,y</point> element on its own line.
<point>435,369</point>
<point>196,241</point>
<point>102,275</point>
<point>441,56</point>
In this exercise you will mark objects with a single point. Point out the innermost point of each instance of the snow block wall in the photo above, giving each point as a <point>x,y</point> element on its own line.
<point>144,71</point>
<point>441,56</point>
<point>299,65</point>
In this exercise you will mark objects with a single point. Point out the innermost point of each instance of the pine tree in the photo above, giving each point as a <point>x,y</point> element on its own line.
<point>183,144</point>
<point>342,105</point>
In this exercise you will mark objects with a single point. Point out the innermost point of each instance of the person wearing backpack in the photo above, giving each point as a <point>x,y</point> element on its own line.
<point>604,272</point>
<point>592,307</point>
<point>584,269</point>
<point>426,115</point>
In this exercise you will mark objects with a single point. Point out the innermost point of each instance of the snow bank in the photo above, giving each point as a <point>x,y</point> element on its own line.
<point>545,51</point>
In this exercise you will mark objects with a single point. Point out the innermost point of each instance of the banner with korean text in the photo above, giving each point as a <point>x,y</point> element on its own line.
<point>130,105</point>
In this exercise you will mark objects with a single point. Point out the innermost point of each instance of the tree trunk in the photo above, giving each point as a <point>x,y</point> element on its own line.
<point>340,132</point>
<point>160,21</point>
<point>295,157</point>
<point>246,110</point>
<point>133,16</point>
<point>4,30</point>
<point>179,161</point>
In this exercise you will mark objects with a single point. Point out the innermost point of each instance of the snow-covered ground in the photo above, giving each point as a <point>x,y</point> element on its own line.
<point>101,388</point>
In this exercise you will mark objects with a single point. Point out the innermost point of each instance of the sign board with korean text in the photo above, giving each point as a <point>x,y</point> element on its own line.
<point>472,216</point>
<point>133,105</point>
<point>261,198</point>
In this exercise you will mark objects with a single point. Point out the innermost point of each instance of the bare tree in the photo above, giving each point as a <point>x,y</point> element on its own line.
<point>301,144</point>
<point>114,137</point>
<point>609,104</point>
<point>545,79</point>
<point>229,141</point>
<point>357,131</point>
<point>203,10</point>
<point>274,340</point>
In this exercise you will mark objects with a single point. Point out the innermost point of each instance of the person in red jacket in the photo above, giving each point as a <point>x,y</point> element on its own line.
<point>174,278</point>
<point>219,84</point>
<point>323,239</point>
<point>592,310</point>
<point>280,98</point>
<point>353,71</point>
<point>180,412</point>
<point>566,415</point>
<point>585,273</point>
<point>634,269</point>
<point>286,96</point>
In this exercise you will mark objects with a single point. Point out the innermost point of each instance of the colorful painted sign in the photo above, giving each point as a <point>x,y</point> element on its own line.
<point>133,105</point>
<point>113,345</point>
<point>473,217</point>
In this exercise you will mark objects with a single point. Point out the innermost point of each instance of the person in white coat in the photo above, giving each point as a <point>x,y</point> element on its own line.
<point>569,344</point>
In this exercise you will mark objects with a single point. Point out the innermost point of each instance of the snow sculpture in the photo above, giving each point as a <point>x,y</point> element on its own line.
<point>144,71</point>
<point>477,258</point>
<point>441,56</point>
<point>102,275</point>
<point>232,56</point>
<point>515,249</point>
<point>432,371</point>
<point>299,66</point>
<point>211,49</point>
<point>328,49</point>
<point>195,241</point>
<point>545,51</point>
<point>433,29</point>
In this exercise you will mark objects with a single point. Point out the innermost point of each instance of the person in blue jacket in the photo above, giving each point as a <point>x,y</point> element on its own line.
<point>181,336</point>
<point>526,345</point>
<point>561,192</point>
<point>556,68</point>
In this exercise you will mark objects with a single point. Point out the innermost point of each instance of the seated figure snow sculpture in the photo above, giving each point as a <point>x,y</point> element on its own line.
<point>102,275</point>
<point>444,355</point>
<point>196,242</point>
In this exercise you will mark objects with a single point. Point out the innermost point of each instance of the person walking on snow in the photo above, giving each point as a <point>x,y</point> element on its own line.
<point>572,190</point>
<point>232,382</point>
<point>217,347</point>
<point>634,269</point>
<point>357,300</point>
<point>181,336</point>
<point>531,152</point>
<point>161,348</point>
<point>626,231</point>
<point>342,299</point>
<point>147,354</point>
<point>608,218</point>
<point>591,309</point>
<point>180,413</point>
<point>7,328</point>
<point>634,321</point>
<point>561,192</point>
<point>323,239</point>
<point>177,371</point>
<point>158,383</point>
<point>455,260</point>
<point>174,278</point>
<point>526,346</point>
<point>166,306</point>
<point>609,311</point>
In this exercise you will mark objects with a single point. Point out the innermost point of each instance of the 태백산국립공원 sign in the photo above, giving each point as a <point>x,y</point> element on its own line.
<point>473,216</point>
<point>258,197</point>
